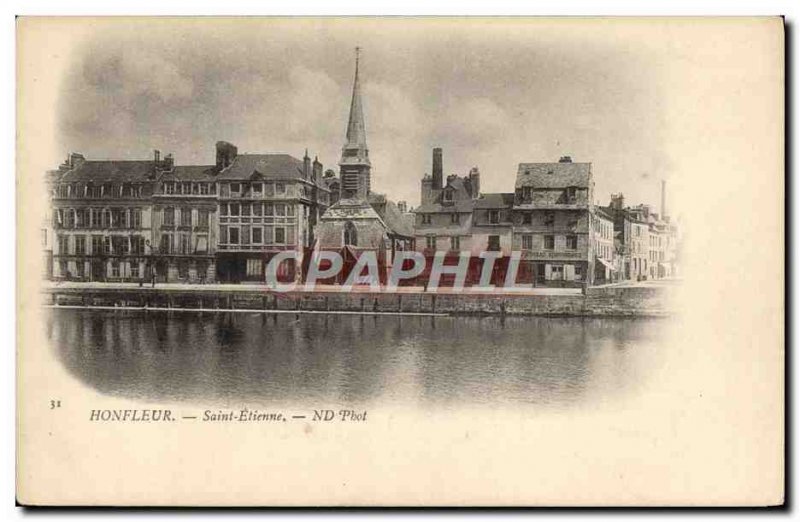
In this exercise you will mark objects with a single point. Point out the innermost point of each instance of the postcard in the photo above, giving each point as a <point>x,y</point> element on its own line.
<point>400,261</point>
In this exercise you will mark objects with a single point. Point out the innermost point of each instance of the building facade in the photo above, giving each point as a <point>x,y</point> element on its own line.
<point>101,219</point>
<point>553,226</point>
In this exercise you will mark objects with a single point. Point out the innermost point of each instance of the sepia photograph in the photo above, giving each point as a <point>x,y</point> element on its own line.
<point>400,261</point>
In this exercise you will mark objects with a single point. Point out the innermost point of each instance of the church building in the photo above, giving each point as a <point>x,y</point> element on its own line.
<point>353,225</point>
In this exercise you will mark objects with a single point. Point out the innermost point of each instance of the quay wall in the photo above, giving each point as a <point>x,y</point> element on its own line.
<point>597,301</point>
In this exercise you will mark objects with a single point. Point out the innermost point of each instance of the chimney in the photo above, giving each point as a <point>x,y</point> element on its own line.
<point>306,166</point>
<point>663,199</point>
<point>565,159</point>
<point>437,169</point>
<point>617,201</point>
<point>169,162</point>
<point>316,169</point>
<point>226,152</point>
<point>402,206</point>
<point>156,156</point>
<point>475,182</point>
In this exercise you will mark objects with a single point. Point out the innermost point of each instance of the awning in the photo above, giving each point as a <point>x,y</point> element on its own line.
<point>607,264</point>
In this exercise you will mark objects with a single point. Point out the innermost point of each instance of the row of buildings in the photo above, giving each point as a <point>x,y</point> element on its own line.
<point>155,220</point>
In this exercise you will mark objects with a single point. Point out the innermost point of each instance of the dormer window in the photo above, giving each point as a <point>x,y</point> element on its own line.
<point>258,189</point>
<point>236,189</point>
<point>571,193</point>
<point>494,217</point>
<point>454,218</point>
<point>426,219</point>
<point>448,195</point>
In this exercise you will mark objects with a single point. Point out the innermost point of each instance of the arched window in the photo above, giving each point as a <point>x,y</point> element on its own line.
<point>350,234</point>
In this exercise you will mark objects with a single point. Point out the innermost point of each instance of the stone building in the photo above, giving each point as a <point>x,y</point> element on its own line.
<point>101,218</point>
<point>553,207</point>
<point>184,224</point>
<point>268,203</point>
<point>352,225</point>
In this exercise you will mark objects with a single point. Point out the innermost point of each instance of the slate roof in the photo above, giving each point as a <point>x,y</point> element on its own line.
<point>271,166</point>
<point>108,171</point>
<point>604,212</point>
<point>192,173</point>
<point>462,199</point>
<point>554,175</point>
<point>495,200</point>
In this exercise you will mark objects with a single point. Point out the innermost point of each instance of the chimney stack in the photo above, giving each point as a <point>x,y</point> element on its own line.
<point>475,182</point>
<point>437,169</point>
<point>156,155</point>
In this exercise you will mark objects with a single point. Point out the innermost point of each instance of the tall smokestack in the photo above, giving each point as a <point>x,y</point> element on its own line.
<point>437,169</point>
<point>663,199</point>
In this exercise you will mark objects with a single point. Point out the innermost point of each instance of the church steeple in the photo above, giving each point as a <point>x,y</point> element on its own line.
<point>356,130</point>
<point>355,164</point>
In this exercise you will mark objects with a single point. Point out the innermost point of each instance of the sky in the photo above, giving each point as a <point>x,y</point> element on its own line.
<point>492,93</point>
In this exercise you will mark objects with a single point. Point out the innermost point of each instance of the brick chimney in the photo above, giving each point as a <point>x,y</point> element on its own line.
<point>437,169</point>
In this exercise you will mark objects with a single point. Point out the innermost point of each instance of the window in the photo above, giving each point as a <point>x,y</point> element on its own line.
<point>527,241</point>
<point>137,217</point>
<point>183,269</point>
<point>269,209</point>
<point>526,193</point>
<point>114,268</point>
<point>280,188</point>
<point>186,217</point>
<point>97,219</point>
<point>290,210</point>
<point>184,244</point>
<point>430,242</point>
<point>135,269</point>
<point>254,267</point>
<point>527,218</point>
<point>494,216</point>
<point>556,272</point>
<point>549,219</point>
<point>63,245</point>
<point>549,242</point>
<point>573,224</point>
<point>169,216</point>
<point>571,192</point>
<point>233,235</point>
<point>235,189</point>
<point>578,272</point>
<point>166,244</point>
<point>70,216</point>
<point>448,195</point>
<point>97,245</point>
<point>80,245</point>
<point>350,234</point>
<point>269,189</point>
<point>455,243</point>
<point>234,209</point>
<point>169,187</point>
<point>137,245</point>
<point>258,189</point>
<point>80,219</point>
<point>202,218</point>
<point>280,235</point>
<point>258,235</point>
<point>246,210</point>
<point>426,219</point>
<point>454,218</point>
<point>494,243</point>
<point>80,269</point>
<point>572,242</point>
<point>203,189</point>
<point>258,209</point>
<point>280,209</point>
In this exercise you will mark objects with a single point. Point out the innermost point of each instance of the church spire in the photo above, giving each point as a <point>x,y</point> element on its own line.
<point>356,130</point>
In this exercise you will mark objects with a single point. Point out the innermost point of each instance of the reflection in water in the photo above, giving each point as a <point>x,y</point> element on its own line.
<point>315,360</point>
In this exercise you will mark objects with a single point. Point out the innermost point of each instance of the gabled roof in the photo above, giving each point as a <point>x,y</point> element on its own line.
<point>554,175</point>
<point>109,171</point>
<point>396,221</point>
<point>271,166</point>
